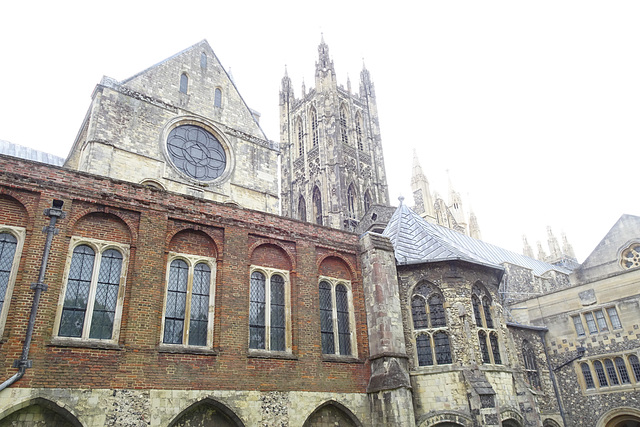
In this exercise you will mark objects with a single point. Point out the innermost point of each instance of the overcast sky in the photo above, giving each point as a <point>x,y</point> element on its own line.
<point>532,107</point>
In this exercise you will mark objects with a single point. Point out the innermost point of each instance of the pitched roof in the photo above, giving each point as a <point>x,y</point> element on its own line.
<point>416,240</point>
<point>27,153</point>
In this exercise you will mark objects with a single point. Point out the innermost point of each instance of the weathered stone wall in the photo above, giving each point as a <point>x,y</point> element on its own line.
<point>159,408</point>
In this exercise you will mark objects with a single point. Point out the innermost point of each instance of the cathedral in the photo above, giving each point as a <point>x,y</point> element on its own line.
<point>179,268</point>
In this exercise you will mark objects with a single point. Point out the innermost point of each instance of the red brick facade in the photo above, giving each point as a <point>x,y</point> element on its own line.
<point>153,223</point>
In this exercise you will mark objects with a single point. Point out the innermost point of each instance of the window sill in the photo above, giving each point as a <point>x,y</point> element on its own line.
<point>179,349</point>
<point>70,342</point>
<point>340,359</point>
<point>267,354</point>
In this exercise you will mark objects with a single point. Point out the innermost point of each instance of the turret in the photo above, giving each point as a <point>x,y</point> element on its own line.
<point>421,191</point>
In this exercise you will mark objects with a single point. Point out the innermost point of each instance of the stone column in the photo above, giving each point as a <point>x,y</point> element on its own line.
<point>389,389</point>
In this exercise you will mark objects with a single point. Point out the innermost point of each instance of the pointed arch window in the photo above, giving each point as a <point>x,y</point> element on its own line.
<point>359,136</point>
<point>217,98</point>
<point>351,201</point>
<point>635,366</point>
<point>530,365</point>
<point>300,132</point>
<point>487,333</point>
<point>184,83</point>
<point>602,378</point>
<point>430,326</point>
<point>302,209</point>
<point>11,242</point>
<point>317,206</point>
<point>344,137</point>
<point>586,374</point>
<point>622,370</point>
<point>336,317</point>
<point>203,60</point>
<point>314,127</point>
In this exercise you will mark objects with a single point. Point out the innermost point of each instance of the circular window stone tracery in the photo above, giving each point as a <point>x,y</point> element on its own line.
<point>196,152</point>
<point>631,256</point>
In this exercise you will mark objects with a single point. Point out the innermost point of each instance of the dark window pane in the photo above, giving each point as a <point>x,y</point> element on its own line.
<point>476,310</point>
<point>635,366</point>
<point>591,323</point>
<point>586,373</point>
<point>77,292</point>
<point>104,307</point>
<point>602,323</point>
<point>278,322</point>
<point>484,350</point>
<point>443,350</point>
<point>176,302</point>
<point>342,309</point>
<point>257,333</point>
<point>602,379</point>
<point>530,365</point>
<point>217,100</point>
<point>613,316</point>
<point>199,317</point>
<point>326,319</point>
<point>611,372</point>
<point>622,371</point>
<point>184,83</point>
<point>423,347</point>
<point>418,310</point>
<point>577,322</point>
<point>495,349</point>
<point>436,311</point>
<point>196,152</point>
<point>8,244</point>
<point>486,305</point>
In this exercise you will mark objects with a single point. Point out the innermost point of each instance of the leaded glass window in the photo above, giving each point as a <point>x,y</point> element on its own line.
<point>622,370</point>
<point>335,318</point>
<point>530,365</point>
<point>326,318</point>
<point>635,366</point>
<point>486,305</point>
<point>442,347</point>
<point>199,318</point>
<point>495,349</point>
<point>419,312</point>
<point>591,323</point>
<point>577,322</point>
<point>484,349</point>
<point>176,302</point>
<point>613,317</point>
<point>436,311</point>
<point>257,326</point>
<point>277,320</point>
<point>475,301</point>
<point>611,372</point>
<point>92,298</point>
<point>602,378</point>
<point>196,152</point>
<point>423,347</point>
<point>602,323</point>
<point>586,374</point>
<point>8,245</point>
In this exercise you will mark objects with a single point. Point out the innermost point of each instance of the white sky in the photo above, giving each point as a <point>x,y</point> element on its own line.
<point>532,106</point>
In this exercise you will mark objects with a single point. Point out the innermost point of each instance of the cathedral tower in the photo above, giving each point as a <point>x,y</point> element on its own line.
<point>333,167</point>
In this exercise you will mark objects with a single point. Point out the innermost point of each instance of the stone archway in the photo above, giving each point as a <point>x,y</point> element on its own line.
<point>332,414</point>
<point>39,413</point>
<point>620,417</point>
<point>624,421</point>
<point>207,413</point>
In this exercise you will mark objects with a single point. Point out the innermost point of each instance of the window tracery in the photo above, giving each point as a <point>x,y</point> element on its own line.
<point>430,326</point>
<point>487,333</point>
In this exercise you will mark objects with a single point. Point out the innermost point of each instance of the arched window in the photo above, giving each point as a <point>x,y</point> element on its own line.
<point>343,125</point>
<point>217,98</point>
<point>335,317</point>
<point>267,309</point>
<point>92,304</point>
<point>8,245</point>
<point>430,326</point>
<point>631,257</point>
<point>611,372</point>
<point>586,374</point>
<point>203,60</point>
<point>367,201</point>
<point>317,206</point>
<point>635,366</point>
<point>188,301</point>
<point>602,378</point>
<point>530,365</point>
<point>622,371</point>
<point>184,83</point>
<point>300,132</point>
<point>314,127</point>
<point>351,201</point>
<point>359,131</point>
<point>302,209</point>
<point>481,303</point>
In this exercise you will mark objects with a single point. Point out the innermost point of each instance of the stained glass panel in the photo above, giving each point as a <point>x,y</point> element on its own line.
<point>77,292</point>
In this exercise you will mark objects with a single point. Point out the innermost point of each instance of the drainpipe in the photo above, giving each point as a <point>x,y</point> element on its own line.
<point>23,363</point>
<point>553,378</point>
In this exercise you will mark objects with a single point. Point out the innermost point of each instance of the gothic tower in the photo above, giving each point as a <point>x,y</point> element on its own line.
<point>332,167</point>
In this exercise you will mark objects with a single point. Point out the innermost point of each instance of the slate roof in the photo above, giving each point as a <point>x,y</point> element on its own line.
<point>416,240</point>
<point>27,153</point>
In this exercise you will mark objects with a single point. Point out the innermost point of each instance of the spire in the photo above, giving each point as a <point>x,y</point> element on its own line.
<point>542,255</point>
<point>304,89</point>
<point>421,192</point>
<point>366,85</point>
<point>567,248</point>
<point>324,63</point>
<point>474,227</point>
<point>554,247</point>
<point>286,93</point>
<point>526,249</point>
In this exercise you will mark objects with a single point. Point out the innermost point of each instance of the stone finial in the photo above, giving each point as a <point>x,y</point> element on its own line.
<point>401,199</point>
<point>526,250</point>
